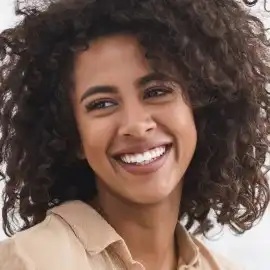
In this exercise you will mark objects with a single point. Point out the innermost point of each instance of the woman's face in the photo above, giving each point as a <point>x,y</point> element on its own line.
<point>137,132</point>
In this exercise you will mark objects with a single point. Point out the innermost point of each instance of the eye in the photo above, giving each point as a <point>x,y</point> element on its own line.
<point>99,105</point>
<point>156,92</point>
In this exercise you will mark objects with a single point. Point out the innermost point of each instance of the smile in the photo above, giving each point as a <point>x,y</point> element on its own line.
<point>145,162</point>
<point>145,157</point>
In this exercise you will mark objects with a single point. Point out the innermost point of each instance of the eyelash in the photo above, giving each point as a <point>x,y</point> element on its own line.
<point>164,91</point>
<point>99,103</point>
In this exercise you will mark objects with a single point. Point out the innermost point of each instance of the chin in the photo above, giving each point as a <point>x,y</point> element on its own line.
<point>150,197</point>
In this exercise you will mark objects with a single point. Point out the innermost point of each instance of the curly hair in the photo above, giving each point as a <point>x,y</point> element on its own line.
<point>221,52</point>
<point>251,3</point>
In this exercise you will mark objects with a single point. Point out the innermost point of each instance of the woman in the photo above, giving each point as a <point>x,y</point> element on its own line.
<point>121,118</point>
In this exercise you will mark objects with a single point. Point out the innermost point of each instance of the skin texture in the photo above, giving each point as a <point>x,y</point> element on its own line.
<point>217,56</point>
<point>131,119</point>
<point>134,203</point>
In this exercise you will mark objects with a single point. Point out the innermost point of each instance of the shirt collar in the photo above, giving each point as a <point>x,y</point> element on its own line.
<point>96,234</point>
<point>88,225</point>
<point>188,250</point>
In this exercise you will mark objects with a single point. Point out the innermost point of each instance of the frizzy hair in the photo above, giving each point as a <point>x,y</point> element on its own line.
<point>251,3</point>
<point>221,54</point>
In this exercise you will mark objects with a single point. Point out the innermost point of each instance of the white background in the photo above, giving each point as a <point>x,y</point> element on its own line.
<point>252,249</point>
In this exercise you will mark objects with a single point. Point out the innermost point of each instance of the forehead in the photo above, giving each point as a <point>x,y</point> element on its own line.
<point>105,52</point>
<point>114,60</point>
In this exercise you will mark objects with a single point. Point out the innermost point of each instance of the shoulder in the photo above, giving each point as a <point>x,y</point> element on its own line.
<point>15,251</point>
<point>13,257</point>
<point>36,247</point>
<point>212,260</point>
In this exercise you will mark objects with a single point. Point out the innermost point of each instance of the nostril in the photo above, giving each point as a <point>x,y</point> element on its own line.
<point>136,129</point>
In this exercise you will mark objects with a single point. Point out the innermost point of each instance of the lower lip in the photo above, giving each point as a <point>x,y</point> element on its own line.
<point>147,168</point>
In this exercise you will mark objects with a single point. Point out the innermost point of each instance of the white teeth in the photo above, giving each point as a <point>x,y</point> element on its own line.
<point>144,158</point>
<point>147,156</point>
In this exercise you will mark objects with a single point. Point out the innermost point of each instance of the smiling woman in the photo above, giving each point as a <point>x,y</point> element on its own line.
<point>138,109</point>
<point>120,119</point>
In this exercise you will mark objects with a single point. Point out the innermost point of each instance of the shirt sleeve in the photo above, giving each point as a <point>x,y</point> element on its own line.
<point>13,258</point>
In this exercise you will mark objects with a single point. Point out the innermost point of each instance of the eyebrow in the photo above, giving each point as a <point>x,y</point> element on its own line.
<point>154,76</point>
<point>100,89</point>
<point>108,89</point>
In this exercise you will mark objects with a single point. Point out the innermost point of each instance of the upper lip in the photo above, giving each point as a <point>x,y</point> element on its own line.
<point>138,148</point>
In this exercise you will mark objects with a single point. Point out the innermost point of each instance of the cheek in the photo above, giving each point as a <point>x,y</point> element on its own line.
<point>186,129</point>
<point>179,121</point>
<point>95,137</point>
<point>178,117</point>
<point>186,126</point>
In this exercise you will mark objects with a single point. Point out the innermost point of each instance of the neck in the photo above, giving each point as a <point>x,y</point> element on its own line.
<point>148,231</point>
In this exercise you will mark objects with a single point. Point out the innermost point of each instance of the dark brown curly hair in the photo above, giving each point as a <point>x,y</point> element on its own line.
<point>221,52</point>
<point>251,3</point>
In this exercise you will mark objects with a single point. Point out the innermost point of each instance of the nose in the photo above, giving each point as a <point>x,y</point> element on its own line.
<point>136,122</point>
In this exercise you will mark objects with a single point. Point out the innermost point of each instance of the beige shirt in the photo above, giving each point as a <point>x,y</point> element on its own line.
<point>75,237</point>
